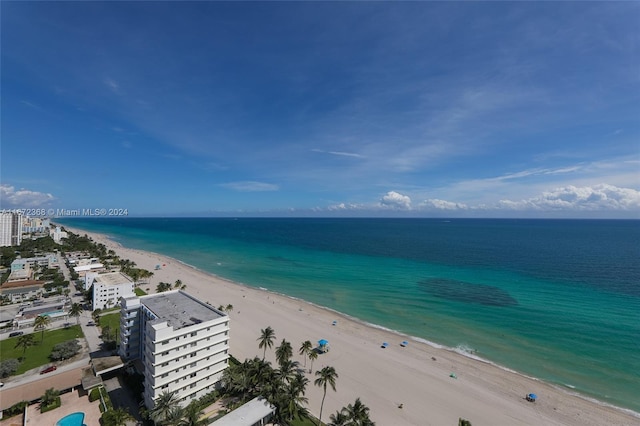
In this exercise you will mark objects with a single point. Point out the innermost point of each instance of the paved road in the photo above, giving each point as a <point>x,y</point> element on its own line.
<point>33,387</point>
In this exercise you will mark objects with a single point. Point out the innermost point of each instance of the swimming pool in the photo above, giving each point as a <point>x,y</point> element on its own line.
<point>75,419</point>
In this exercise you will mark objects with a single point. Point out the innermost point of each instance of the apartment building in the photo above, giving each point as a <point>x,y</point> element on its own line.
<point>181,343</point>
<point>108,288</point>
<point>10,229</point>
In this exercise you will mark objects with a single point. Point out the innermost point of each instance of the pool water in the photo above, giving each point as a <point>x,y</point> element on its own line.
<point>75,419</point>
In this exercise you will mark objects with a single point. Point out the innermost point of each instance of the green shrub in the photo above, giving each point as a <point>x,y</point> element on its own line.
<point>15,409</point>
<point>65,350</point>
<point>94,394</point>
<point>56,403</point>
<point>8,367</point>
<point>206,400</point>
<point>107,400</point>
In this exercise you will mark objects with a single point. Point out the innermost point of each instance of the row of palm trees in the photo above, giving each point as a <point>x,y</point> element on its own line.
<point>168,412</point>
<point>162,286</point>
<point>356,414</point>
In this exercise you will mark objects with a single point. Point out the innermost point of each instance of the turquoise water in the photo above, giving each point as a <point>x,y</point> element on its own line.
<point>556,300</point>
<point>75,419</point>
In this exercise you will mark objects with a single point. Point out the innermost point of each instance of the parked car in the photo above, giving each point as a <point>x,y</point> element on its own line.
<point>16,333</point>
<point>91,323</point>
<point>49,369</point>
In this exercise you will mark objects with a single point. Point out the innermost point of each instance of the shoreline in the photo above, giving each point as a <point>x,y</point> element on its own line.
<point>483,392</point>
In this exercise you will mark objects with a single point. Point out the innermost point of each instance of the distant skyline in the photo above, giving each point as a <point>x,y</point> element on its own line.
<point>417,109</point>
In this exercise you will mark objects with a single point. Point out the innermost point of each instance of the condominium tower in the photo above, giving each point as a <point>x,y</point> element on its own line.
<point>181,343</point>
<point>10,229</point>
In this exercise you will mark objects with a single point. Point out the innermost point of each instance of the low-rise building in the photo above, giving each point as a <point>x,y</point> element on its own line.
<point>108,288</point>
<point>18,291</point>
<point>91,267</point>
<point>23,268</point>
<point>57,234</point>
<point>181,343</point>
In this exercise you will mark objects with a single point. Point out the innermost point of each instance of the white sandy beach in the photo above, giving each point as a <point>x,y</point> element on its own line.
<point>382,378</point>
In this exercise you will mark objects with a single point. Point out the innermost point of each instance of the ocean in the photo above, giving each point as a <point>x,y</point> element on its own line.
<point>558,300</point>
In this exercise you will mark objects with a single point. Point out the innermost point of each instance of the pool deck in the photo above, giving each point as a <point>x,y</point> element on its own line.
<point>72,402</point>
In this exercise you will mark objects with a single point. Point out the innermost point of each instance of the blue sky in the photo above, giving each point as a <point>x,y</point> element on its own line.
<point>337,109</point>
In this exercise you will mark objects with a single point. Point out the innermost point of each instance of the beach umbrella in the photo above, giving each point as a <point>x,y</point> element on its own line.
<point>404,343</point>
<point>533,396</point>
<point>334,323</point>
<point>323,342</point>
<point>384,344</point>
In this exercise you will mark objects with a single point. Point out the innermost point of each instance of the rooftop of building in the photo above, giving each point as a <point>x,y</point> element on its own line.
<point>22,283</point>
<point>113,278</point>
<point>250,413</point>
<point>179,309</point>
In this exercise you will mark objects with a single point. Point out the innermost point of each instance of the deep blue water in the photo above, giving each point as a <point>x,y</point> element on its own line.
<point>554,299</point>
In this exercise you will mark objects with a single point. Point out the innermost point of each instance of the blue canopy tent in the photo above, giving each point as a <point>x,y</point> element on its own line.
<point>323,345</point>
<point>384,345</point>
<point>532,397</point>
<point>404,343</point>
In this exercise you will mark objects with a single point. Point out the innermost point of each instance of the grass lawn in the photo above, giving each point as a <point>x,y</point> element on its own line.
<point>139,291</point>
<point>38,355</point>
<point>112,320</point>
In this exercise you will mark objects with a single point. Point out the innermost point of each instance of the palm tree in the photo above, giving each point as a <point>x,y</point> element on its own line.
<point>192,417</point>
<point>162,407</point>
<point>96,316</point>
<point>116,417</point>
<point>24,342</point>
<point>174,416</point>
<point>177,284</point>
<point>339,419</point>
<point>76,311</point>
<point>304,350</point>
<point>326,376</point>
<point>229,307</point>
<point>267,336</point>
<point>284,352</point>
<point>287,371</point>
<point>49,397</point>
<point>313,355</point>
<point>162,287</point>
<point>290,400</point>
<point>41,323</point>
<point>358,414</point>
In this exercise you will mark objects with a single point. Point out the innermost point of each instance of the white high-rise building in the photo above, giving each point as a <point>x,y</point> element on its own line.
<point>182,343</point>
<point>10,229</point>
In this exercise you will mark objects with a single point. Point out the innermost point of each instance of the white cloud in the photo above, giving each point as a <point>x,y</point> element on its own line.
<point>339,153</point>
<point>30,104</point>
<point>600,197</point>
<point>344,206</point>
<point>396,200</point>
<point>442,205</point>
<point>570,201</point>
<point>112,85</point>
<point>250,186</point>
<point>23,198</point>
